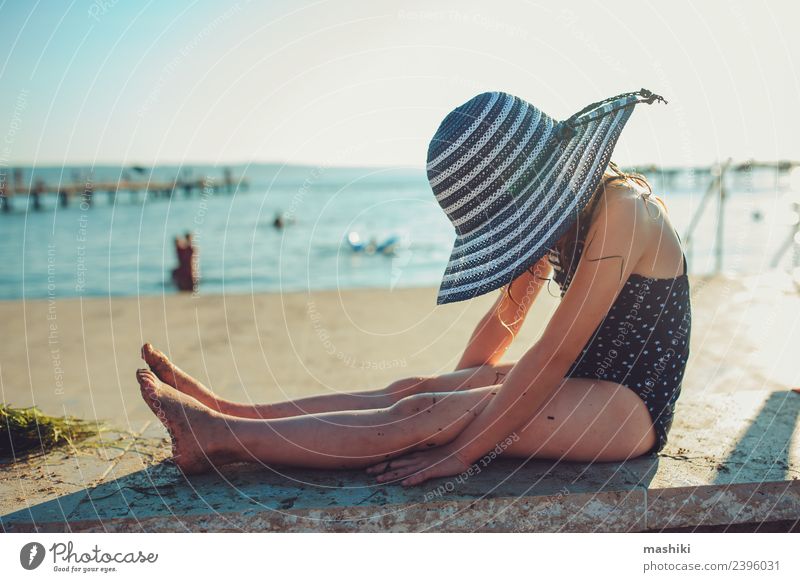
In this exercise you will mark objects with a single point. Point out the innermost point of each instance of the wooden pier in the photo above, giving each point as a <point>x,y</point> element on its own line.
<point>670,175</point>
<point>84,191</point>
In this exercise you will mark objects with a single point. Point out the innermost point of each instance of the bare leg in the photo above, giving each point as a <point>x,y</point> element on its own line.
<point>467,379</point>
<point>584,420</point>
<point>202,437</point>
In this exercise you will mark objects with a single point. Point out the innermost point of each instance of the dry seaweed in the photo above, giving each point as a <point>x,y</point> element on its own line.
<point>25,432</point>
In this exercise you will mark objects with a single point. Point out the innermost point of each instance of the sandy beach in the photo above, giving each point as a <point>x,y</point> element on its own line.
<point>79,356</point>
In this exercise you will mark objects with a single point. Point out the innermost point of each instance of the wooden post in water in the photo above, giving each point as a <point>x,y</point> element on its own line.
<point>792,241</point>
<point>3,192</point>
<point>228,179</point>
<point>5,203</point>
<point>688,239</point>
<point>717,184</point>
<point>719,243</point>
<point>86,195</point>
<point>19,178</point>
<point>796,245</point>
<point>36,194</point>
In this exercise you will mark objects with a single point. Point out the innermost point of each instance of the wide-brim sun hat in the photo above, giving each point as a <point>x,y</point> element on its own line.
<point>512,180</point>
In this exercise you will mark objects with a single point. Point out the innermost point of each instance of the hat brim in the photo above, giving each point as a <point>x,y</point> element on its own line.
<point>516,237</point>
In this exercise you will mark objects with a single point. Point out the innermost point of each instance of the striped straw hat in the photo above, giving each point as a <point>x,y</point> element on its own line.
<point>512,180</point>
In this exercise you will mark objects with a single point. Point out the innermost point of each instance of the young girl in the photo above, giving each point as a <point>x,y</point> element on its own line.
<point>532,200</point>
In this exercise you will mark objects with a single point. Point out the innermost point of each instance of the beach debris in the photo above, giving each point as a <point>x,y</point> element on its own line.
<point>28,431</point>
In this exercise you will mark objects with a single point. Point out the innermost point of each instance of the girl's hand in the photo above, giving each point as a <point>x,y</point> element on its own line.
<point>418,467</point>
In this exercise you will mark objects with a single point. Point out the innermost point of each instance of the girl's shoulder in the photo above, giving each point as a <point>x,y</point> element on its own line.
<point>620,189</point>
<point>642,218</point>
<point>630,204</point>
<point>624,204</point>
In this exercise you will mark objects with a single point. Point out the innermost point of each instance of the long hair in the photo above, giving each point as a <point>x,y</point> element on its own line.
<point>565,254</point>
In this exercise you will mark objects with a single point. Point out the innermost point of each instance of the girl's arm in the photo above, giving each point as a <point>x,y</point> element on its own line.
<point>614,246</point>
<point>497,329</point>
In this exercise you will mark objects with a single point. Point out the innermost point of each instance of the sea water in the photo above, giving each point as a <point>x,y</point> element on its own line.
<point>123,245</point>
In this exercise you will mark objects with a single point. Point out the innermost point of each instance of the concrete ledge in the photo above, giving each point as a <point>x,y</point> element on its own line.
<point>160,500</point>
<point>724,505</point>
<point>502,498</point>
<point>741,470</point>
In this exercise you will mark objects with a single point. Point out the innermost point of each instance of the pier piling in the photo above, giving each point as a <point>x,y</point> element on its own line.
<point>84,188</point>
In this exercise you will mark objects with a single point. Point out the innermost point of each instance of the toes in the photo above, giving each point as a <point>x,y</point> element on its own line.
<point>144,373</point>
<point>157,362</point>
<point>149,354</point>
<point>145,378</point>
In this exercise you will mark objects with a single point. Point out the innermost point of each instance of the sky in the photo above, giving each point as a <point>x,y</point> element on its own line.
<point>367,82</point>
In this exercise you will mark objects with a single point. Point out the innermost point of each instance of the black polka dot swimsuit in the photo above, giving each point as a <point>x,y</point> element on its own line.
<point>643,343</point>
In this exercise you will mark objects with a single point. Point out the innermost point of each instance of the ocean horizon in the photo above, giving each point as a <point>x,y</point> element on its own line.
<point>123,245</point>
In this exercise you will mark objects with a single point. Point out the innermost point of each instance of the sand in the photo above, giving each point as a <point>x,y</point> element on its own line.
<point>79,355</point>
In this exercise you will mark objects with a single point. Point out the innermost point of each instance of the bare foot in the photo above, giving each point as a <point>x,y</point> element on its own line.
<point>171,374</point>
<point>187,422</point>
